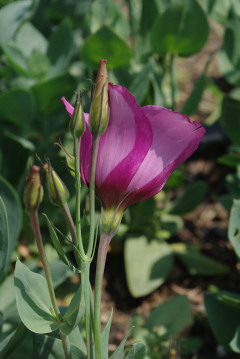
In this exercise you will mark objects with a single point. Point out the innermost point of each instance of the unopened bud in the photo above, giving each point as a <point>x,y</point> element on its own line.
<point>57,191</point>
<point>99,112</point>
<point>77,123</point>
<point>70,159</point>
<point>33,192</point>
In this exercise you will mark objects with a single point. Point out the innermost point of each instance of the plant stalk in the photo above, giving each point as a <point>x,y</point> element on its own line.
<point>95,145</point>
<point>172,79</point>
<point>37,234</point>
<point>101,260</point>
<point>87,298</point>
<point>77,143</point>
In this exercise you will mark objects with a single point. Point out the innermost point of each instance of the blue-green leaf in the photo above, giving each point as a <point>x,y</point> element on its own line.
<point>14,214</point>
<point>105,337</point>
<point>176,29</point>
<point>60,48</point>
<point>4,238</point>
<point>11,16</point>
<point>46,347</point>
<point>74,313</point>
<point>156,261</point>
<point>137,351</point>
<point>33,300</point>
<point>105,44</point>
<point>234,226</point>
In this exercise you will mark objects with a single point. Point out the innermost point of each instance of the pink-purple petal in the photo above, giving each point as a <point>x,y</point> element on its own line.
<point>122,147</point>
<point>175,138</point>
<point>68,106</point>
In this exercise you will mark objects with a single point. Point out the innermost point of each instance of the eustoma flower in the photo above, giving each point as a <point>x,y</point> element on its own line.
<point>137,153</point>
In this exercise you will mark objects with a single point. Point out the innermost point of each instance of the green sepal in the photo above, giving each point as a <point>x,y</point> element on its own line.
<point>58,246</point>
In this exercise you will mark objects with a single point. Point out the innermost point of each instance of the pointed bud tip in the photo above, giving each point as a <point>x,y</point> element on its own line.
<point>57,191</point>
<point>33,192</point>
<point>99,112</point>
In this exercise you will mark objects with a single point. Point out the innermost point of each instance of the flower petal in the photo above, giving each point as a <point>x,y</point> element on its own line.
<point>122,147</point>
<point>68,106</point>
<point>175,138</point>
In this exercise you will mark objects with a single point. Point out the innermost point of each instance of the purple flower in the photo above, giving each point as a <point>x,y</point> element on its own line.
<point>139,150</point>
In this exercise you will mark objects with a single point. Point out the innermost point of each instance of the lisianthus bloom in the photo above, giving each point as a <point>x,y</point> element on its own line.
<point>139,150</point>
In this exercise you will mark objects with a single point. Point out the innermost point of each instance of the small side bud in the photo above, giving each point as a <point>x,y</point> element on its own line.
<point>33,192</point>
<point>57,191</point>
<point>99,112</point>
<point>70,159</point>
<point>77,123</point>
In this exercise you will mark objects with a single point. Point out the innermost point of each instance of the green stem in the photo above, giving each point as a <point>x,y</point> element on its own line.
<point>101,260</point>
<point>68,218</point>
<point>77,143</point>
<point>95,145</point>
<point>88,324</point>
<point>37,234</point>
<point>66,346</point>
<point>172,79</point>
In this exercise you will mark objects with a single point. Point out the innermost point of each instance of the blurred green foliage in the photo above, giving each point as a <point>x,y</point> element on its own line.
<point>50,49</point>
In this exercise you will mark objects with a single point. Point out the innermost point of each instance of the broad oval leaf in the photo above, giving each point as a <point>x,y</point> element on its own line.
<point>51,348</point>
<point>175,315</point>
<point>49,92</point>
<point>105,44</point>
<point>4,238</point>
<point>234,226</point>
<point>182,28</point>
<point>230,119</point>
<point>28,38</point>
<point>147,264</point>
<point>60,48</point>
<point>33,300</point>
<point>223,316</point>
<point>190,199</point>
<point>18,106</point>
<point>14,214</point>
<point>235,342</point>
<point>74,313</point>
<point>196,262</point>
<point>11,16</point>
<point>137,351</point>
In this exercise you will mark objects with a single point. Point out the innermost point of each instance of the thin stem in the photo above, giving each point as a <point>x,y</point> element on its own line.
<point>77,143</point>
<point>66,346</point>
<point>68,218</point>
<point>132,25</point>
<point>88,323</point>
<point>172,79</point>
<point>101,260</point>
<point>37,234</point>
<point>95,145</point>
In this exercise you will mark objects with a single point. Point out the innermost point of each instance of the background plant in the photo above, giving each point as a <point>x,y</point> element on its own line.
<point>49,49</point>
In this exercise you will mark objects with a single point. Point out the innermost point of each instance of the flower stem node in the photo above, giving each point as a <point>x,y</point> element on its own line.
<point>110,221</point>
<point>57,191</point>
<point>77,123</point>
<point>33,192</point>
<point>100,110</point>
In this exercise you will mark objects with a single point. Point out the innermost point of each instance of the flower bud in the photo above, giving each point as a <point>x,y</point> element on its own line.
<point>99,112</point>
<point>57,191</point>
<point>33,192</point>
<point>77,123</point>
<point>70,159</point>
